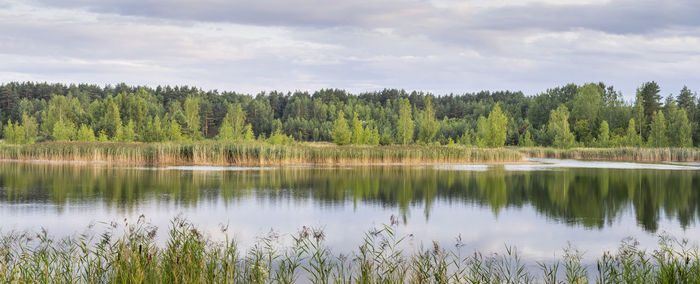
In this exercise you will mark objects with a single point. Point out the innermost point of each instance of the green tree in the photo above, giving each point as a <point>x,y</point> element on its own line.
<point>466,138</point>
<point>85,134</point>
<point>174,132</point>
<point>9,132</point>
<point>497,123</point>
<point>405,125</point>
<point>129,133</point>
<point>62,131</point>
<point>657,133</point>
<point>604,134</point>
<point>428,125</point>
<point>226,132</point>
<point>112,119</point>
<point>157,134</point>
<point>558,128</point>
<point>192,127</point>
<point>586,104</point>
<point>679,130</point>
<point>526,139</point>
<point>632,137</point>
<point>31,128</point>
<point>583,132</point>
<point>248,134</point>
<point>372,135</point>
<point>358,133</point>
<point>482,132</point>
<point>341,131</point>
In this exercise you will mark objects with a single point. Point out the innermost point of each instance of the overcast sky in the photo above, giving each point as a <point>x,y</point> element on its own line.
<point>440,46</point>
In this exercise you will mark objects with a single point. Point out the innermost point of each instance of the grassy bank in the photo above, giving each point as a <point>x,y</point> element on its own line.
<point>216,153</point>
<point>618,154</point>
<point>189,256</point>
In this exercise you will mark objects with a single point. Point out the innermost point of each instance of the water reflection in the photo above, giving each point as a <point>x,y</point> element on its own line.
<point>589,197</point>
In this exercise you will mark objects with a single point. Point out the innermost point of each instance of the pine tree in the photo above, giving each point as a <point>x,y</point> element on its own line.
<point>405,129</point>
<point>558,128</point>
<point>341,131</point>
<point>657,132</point>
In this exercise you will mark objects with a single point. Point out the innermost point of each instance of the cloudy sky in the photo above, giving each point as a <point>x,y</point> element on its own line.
<point>440,46</point>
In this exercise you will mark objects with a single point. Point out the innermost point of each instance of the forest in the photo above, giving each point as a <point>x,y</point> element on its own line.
<point>589,115</point>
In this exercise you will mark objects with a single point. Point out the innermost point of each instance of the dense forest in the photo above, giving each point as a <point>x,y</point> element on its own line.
<point>591,115</point>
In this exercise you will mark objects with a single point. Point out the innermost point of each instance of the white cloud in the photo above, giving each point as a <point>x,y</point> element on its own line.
<point>439,46</point>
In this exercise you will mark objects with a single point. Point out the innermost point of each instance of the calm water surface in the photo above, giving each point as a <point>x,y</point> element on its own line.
<point>539,208</point>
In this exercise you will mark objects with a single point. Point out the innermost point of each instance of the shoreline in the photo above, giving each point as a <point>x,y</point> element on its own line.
<point>212,153</point>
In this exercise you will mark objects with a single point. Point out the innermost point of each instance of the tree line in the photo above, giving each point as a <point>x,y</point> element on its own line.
<point>589,115</point>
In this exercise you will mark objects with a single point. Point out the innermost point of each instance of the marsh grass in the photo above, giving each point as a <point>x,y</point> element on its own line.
<point>131,254</point>
<point>619,154</point>
<point>253,153</point>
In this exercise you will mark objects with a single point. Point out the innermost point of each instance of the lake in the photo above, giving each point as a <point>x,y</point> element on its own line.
<point>539,208</point>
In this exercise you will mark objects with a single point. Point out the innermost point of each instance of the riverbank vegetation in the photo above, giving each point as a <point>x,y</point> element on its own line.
<point>252,153</point>
<point>190,256</point>
<point>590,115</point>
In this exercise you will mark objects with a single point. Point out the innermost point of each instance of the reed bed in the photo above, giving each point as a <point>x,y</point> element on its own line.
<point>131,254</point>
<point>619,154</point>
<point>218,153</point>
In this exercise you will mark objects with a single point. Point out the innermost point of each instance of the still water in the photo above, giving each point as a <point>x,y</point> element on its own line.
<point>539,207</point>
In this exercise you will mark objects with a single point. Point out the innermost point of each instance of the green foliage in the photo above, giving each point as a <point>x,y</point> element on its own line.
<point>112,120</point>
<point>405,125</point>
<point>233,126</point>
<point>604,134</point>
<point>526,139</point>
<point>192,127</point>
<point>358,132</point>
<point>85,134</point>
<point>679,130</point>
<point>279,138</point>
<point>31,128</point>
<point>482,133</point>
<point>129,134</point>
<point>496,128</point>
<point>657,133</point>
<point>586,103</point>
<point>174,133</point>
<point>341,132</point>
<point>558,128</point>
<point>583,132</point>
<point>63,131</point>
<point>632,137</point>
<point>466,138</point>
<point>428,125</point>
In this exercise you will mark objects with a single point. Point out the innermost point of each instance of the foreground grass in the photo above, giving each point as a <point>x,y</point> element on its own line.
<point>619,154</point>
<point>190,257</point>
<point>221,153</point>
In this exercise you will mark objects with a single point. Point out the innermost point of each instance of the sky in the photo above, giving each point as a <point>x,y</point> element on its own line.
<point>437,46</point>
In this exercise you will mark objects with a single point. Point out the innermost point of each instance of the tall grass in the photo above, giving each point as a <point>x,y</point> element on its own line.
<point>221,153</point>
<point>133,255</point>
<point>620,154</point>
